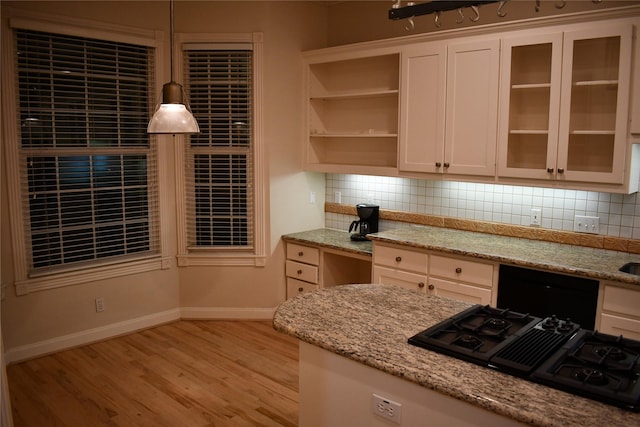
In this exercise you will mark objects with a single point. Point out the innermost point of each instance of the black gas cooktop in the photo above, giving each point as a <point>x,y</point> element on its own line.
<point>549,351</point>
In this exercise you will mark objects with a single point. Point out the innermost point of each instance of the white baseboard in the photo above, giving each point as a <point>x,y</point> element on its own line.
<point>227,313</point>
<point>92,335</point>
<point>64,342</point>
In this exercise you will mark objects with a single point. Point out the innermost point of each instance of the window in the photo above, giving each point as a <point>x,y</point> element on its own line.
<point>222,179</point>
<point>87,172</point>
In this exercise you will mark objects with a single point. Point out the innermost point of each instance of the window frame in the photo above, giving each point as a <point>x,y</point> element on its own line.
<point>227,256</point>
<point>100,269</point>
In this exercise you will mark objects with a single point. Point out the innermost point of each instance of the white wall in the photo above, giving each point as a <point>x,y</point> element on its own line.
<point>43,320</point>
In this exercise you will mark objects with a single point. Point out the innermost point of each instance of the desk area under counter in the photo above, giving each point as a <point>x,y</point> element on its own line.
<point>323,258</point>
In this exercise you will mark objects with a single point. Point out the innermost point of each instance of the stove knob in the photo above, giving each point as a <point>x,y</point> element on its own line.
<point>421,285</point>
<point>431,287</point>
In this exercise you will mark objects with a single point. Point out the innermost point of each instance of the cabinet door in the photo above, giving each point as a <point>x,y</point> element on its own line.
<point>529,106</point>
<point>422,100</point>
<point>472,108</point>
<point>459,291</point>
<point>596,70</point>
<point>388,276</point>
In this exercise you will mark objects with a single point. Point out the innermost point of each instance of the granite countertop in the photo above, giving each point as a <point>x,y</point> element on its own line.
<point>331,238</point>
<point>371,324</point>
<point>600,264</point>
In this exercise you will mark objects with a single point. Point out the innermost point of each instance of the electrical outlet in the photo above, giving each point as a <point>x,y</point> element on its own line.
<point>337,197</point>
<point>99,304</point>
<point>386,408</point>
<point>312,198</point>
<point>586,224</point>
<point>536,217</point>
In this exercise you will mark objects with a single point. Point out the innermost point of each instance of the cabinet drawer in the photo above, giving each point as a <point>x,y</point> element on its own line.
<point>301,253</point>
<point>298,270</point>
<point>462,270</point>
<point>615,325</point>
<point>459,291</point>
<point>621,300</point>
<point>388,276</point>
<point>295,287</point>
<point>400,258</point>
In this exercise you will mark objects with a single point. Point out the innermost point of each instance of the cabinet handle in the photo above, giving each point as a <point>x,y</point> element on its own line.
<point>431,287</point>
<point>398,258</point>
<point>550,170</point>
<point>421,285</point>
<point>300,253</point>
<point>438,164</point>
<point>446,165</point>
<point>458,270</point>
<point>299,271</point>
<point>560,170</point>
<point>300,289</point>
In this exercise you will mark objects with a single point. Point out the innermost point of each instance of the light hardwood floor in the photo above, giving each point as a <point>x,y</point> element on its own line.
<point>187,373</point>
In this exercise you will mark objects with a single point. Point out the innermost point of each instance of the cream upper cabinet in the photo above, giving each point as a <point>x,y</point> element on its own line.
<point>422,107</point>
<point>530,105</point>
<point>472,107</point>
<point>449,107</point>
<point>352,111</point>
<point>565,103</point>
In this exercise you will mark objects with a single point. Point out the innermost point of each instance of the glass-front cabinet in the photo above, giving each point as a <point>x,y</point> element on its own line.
<point>564,105</point>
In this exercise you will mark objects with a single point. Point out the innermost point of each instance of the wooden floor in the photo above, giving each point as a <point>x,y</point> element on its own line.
<point>188,373</point>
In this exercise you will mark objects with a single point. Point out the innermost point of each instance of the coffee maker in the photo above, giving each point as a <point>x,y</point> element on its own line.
<point>368,222</point>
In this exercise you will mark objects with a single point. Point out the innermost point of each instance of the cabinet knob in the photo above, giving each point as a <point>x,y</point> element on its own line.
<point>421,285</point>
<point>300,253</point>
<point>299,271</point>
<point>446,165</point>
<point>550,170</point>
<point>300,289</point>
<point>398,258</point>
<point>458,270</point>
<point>438,164</point>
<point>431,287</point>
<point>560,170</point>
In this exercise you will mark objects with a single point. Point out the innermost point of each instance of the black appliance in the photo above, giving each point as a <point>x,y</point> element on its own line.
<point>544,294</point>
<point>367,223</point>
<point>550,351</point>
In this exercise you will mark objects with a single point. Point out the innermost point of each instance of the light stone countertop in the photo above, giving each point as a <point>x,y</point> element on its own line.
<point>370,324</point>
<point>599,264</point>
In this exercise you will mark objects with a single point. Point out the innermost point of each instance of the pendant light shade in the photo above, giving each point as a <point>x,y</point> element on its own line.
<point>173,115</point>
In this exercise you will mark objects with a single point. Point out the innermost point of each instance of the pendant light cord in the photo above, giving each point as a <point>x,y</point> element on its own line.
<point>171,39</point>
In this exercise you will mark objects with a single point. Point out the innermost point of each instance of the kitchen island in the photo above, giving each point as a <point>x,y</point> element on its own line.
<point>354,343</point>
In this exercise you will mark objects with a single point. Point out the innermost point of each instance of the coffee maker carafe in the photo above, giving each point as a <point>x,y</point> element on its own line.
<point>368,222</point>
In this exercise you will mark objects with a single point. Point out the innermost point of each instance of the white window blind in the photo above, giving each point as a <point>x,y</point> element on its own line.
<point>220,160</point>
<point>88,170</point>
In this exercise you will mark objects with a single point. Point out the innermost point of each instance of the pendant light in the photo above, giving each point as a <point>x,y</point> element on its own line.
<point>173,115</point>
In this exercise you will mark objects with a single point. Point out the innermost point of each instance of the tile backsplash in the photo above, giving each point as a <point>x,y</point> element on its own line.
<point>619,213</point>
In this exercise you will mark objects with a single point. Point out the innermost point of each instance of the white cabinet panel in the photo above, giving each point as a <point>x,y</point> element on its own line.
<point>472,107</point>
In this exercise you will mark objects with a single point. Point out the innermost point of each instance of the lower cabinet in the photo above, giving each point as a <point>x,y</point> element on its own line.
<point>620,311</point>
<point>301,269</point>
<point>393,265</point>
<point>461,279</point>
<point>309,268</point>
<point>452,277</point>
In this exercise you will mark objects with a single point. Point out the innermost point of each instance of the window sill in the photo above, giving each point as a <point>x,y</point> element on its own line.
<point>77,277</point>
<point>221,260</point>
